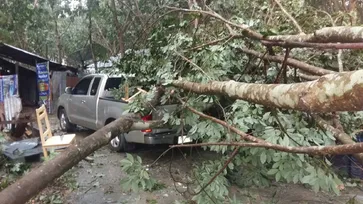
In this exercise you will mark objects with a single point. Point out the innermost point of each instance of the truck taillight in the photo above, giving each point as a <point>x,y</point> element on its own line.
<point>147,118</point>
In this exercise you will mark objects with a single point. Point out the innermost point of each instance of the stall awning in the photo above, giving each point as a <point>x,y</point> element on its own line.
<point>23,56</point>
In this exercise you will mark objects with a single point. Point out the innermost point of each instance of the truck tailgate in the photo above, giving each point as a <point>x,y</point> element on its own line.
<point>158,114</point>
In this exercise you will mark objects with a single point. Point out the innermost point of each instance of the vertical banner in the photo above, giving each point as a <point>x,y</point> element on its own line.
<point>10,103</point>
<point>44,83</point>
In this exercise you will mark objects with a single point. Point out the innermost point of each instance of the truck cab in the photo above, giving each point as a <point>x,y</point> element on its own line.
<point>90,104</point>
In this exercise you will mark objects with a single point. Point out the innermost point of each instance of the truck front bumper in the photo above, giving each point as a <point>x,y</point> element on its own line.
<point>166,138</point>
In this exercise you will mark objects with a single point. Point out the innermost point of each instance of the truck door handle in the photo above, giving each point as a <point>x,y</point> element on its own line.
<point>83,101</point>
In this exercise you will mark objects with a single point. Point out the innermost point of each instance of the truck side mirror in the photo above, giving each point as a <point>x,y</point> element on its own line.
<point>68,90</point>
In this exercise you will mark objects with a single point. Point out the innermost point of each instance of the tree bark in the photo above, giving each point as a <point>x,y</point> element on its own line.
<point>312,150</point>
<point>336,34</point>
<point>290,61</point>
<point>308,77</point>
<point>58,40</point>
<point>339,135</point>
<point>36,180</point>
<point>118,28</point>
<point>90,39</point>
<point>330,93</point>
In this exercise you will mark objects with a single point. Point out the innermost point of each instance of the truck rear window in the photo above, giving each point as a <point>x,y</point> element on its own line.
<point>113,83</point>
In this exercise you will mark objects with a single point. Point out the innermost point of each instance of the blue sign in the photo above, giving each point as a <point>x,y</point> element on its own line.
<point>43,83</point>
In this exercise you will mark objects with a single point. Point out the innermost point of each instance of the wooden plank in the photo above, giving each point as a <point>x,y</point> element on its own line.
<point>59,140</point>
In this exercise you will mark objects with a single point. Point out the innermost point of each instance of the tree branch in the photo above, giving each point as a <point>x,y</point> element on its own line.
<point>330,93</point>
<point>308,77</point>
<point>245,29</point>
<point>313,150</point>
<point>338,134</point>
<point>213,42</point>
<point>290,61</point>
<point>351,148</point>
<point>283,68</point>
<point>336,46</point>
<point>343,34</point>
<point>289,16</point>
<point>325,38</point>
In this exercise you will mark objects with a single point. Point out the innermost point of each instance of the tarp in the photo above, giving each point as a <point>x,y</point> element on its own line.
<point>23,148</point>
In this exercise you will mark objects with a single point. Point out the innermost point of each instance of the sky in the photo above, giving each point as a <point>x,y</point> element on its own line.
<point>74,3</point>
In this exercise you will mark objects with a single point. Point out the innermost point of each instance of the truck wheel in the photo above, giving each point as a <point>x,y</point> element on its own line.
<point>118,143</point>
<point>64,123</point>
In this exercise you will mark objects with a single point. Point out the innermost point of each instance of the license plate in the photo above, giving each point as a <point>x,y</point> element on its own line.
<point>184,139</point>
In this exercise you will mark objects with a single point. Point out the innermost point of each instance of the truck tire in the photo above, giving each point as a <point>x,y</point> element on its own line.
<point>64,123</point>
<point>118,144</point>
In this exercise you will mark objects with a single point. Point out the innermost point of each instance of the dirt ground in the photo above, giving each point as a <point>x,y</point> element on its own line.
<point>98,181</point>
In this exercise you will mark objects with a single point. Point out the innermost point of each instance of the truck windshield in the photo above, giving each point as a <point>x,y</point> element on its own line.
<point>113,83</point>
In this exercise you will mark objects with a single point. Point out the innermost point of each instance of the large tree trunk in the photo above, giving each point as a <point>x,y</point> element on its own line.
<point>58,40</point>
<point>118,26</point>
<point>91,41</point>
<point>330,93</point>
<point>33,182</point>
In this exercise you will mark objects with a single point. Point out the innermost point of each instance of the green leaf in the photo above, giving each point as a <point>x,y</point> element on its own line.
<point>316,187</point>
<point>130,157</point>
<point>272,171</point>
<point>278,176</point>
<point>286,141</point>
<point>139,159</point>
<point>295,179</point>
<point>263,157</point>
<point>230,166</point>
<point>306,179</point>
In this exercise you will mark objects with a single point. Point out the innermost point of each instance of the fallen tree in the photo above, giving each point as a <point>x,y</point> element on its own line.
<point>329,93</point>
<point>36,180</point>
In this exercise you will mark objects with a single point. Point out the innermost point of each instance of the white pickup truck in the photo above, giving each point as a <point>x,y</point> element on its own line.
<point>91,105</point>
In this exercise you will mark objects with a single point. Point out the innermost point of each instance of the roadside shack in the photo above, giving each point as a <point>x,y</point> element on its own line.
<point>27,80</point>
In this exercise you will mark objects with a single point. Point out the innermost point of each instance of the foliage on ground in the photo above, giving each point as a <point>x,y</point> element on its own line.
<point>171,55</point>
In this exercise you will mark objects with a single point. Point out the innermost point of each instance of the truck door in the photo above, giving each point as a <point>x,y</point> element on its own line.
<point>77,100</point>
<point>88,109</point>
